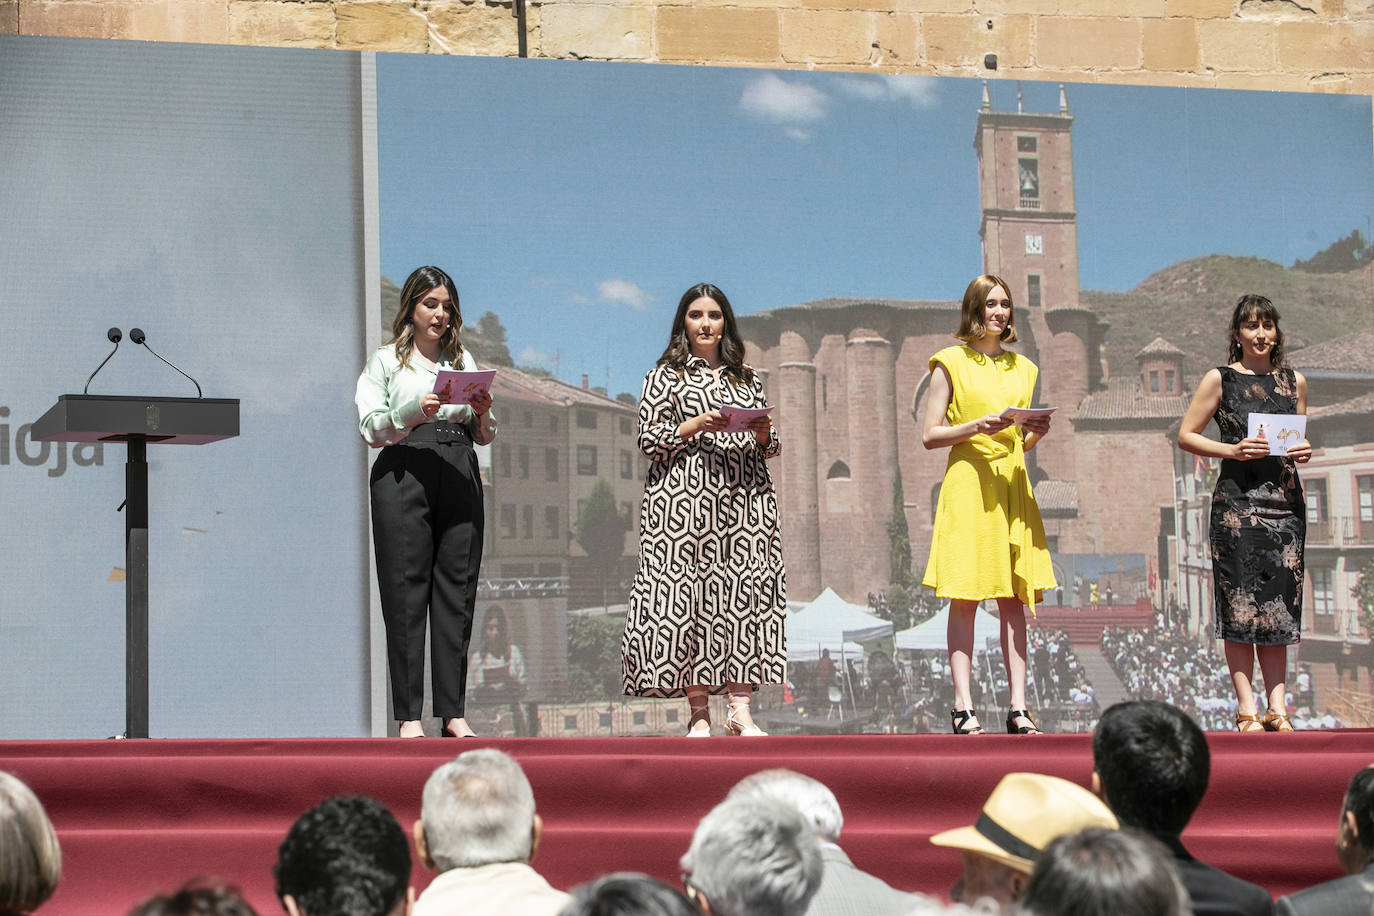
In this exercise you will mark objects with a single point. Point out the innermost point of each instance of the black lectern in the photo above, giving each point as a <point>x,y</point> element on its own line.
<point>136,422</point>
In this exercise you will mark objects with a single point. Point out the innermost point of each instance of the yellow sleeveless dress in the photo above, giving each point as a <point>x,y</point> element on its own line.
<point>989,541</point>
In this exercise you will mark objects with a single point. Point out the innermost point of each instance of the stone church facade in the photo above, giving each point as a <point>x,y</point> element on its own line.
<point>849,378</point>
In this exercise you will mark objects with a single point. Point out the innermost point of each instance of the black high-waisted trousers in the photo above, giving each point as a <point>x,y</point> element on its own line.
<point>427,518</point>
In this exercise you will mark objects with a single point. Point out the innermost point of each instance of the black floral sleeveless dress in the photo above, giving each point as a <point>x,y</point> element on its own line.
<point>1258,522</point>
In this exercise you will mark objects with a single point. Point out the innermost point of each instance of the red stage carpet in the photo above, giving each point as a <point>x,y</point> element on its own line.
<point>139,817</point>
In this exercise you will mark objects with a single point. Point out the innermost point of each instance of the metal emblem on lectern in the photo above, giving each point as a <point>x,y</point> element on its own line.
<point>152,416</point>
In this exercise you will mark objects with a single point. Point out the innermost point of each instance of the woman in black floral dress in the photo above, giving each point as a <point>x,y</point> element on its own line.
<point>1259,522</point>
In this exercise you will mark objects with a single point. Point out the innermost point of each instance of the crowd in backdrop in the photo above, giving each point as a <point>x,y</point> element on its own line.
<point>1040,845</point>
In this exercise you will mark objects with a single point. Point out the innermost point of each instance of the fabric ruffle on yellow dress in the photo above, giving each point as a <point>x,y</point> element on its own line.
<point>989,540</point>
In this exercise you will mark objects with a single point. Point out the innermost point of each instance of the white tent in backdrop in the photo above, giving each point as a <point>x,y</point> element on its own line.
<point>830,622</point>
<point>933,634</point>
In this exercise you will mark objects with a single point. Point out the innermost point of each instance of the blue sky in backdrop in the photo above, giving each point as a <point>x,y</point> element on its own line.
<point>578,200</point>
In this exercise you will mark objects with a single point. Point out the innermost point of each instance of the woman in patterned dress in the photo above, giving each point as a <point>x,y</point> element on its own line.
<point>709,601</point>
<point>989,541</point>
<point>1258,524</point>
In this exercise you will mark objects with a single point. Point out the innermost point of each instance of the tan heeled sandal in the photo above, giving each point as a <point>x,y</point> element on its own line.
<point>735,725</point>
<point>1248,723</point>
<point>1277,722</point>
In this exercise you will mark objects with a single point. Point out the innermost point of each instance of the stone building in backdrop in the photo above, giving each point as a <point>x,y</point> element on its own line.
<point>849,377</point>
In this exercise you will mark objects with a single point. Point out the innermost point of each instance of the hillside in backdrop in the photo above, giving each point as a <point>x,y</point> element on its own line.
<point>1190,303</point>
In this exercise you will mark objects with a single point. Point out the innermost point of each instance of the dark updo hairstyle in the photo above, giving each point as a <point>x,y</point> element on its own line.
<point>421,281</point>
<point>731,346</point>
<point>1252,306</point>
<point>975,298</point>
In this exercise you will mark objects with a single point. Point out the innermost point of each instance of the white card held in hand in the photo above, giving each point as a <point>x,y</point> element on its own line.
<point>1019,415</point>
<point>740,417</point>
<point>1281,429</point>
<point>454,386</point>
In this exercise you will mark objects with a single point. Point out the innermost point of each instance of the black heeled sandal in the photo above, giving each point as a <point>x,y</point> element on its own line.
<point>959,718</point>
<point>1014,729</point>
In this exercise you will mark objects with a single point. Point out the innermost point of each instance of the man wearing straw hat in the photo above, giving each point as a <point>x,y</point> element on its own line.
<point>1022,815</point>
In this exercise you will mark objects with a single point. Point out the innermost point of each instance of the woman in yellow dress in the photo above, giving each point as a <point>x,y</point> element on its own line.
<point>989,541</point>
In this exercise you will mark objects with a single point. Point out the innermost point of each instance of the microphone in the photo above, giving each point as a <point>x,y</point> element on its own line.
<point>138,337</point>
<point>114,335</point>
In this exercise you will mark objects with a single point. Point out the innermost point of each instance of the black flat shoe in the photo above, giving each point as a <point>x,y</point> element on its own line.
<point>960,717</point>
<point>445,733</point>
<point>1014,729</point>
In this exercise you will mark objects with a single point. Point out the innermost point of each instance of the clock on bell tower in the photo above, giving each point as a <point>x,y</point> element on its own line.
<point>1030,224</point>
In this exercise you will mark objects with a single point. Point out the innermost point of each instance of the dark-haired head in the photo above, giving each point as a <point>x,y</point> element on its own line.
<point>347,856</point>
<point>420,282</point>
<point>1359,805</point>
<point>1252,307</point>
<point>1099,871</point>
<point>627,894</point>
<point>496,633</point>
<point>679,349</point>
<point>200,897</point>
<point>971,326</point>
<point>1152,763</point>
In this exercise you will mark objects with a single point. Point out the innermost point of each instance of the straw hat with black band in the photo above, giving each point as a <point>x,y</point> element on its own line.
<point>1023,814</point>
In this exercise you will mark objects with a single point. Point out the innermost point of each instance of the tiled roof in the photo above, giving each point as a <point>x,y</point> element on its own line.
<point>1346,354</point>
<point>1360,406</point>
<point>520,386</point>
<point>1159,347</point>
<point>511,382</point>
<point>575,394</point>
<point>1056,496</point>
<point>515,383</point>
<point>1123,400</point>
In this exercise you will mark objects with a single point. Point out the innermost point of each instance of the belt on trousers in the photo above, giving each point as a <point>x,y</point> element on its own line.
<point>440,432</point>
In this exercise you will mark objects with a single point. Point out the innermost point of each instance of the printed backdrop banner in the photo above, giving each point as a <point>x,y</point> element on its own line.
<point>222,198</point>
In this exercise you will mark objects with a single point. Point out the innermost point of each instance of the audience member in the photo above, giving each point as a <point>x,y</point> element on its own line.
<point>1151,765</point>
<point>844,888</point>
<point>199,897</point>
<point>627,894</point>
<point>1171,667</point>
<point>1355,851</point>
<point>30,859</point>
<point>1097,871</point>
<point>752,857</point>
<point>347,856</point>
<point>1022,815</point>
<point>478,829</point>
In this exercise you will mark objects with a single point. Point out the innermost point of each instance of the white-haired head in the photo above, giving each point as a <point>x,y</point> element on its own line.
<point>478,809</point>
<point>754,857</point>
<point>813,799</point>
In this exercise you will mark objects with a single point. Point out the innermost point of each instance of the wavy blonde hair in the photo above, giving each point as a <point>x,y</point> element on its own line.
<point>421,281</point>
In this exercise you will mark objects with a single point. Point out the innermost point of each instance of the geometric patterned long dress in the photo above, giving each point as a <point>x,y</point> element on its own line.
<point>709,602</point>
<point>1258,524</point>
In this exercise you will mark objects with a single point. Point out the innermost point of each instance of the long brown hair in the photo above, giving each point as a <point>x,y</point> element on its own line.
<point>1250,307</point>
<point>971,325</point>
<point>421,281</point>
<point>731,346</point>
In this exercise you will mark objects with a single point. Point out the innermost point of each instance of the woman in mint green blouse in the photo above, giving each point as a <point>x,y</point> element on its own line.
<point>426,489</point>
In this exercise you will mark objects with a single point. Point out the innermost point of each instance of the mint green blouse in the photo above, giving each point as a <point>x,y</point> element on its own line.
<point>388,398</point>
